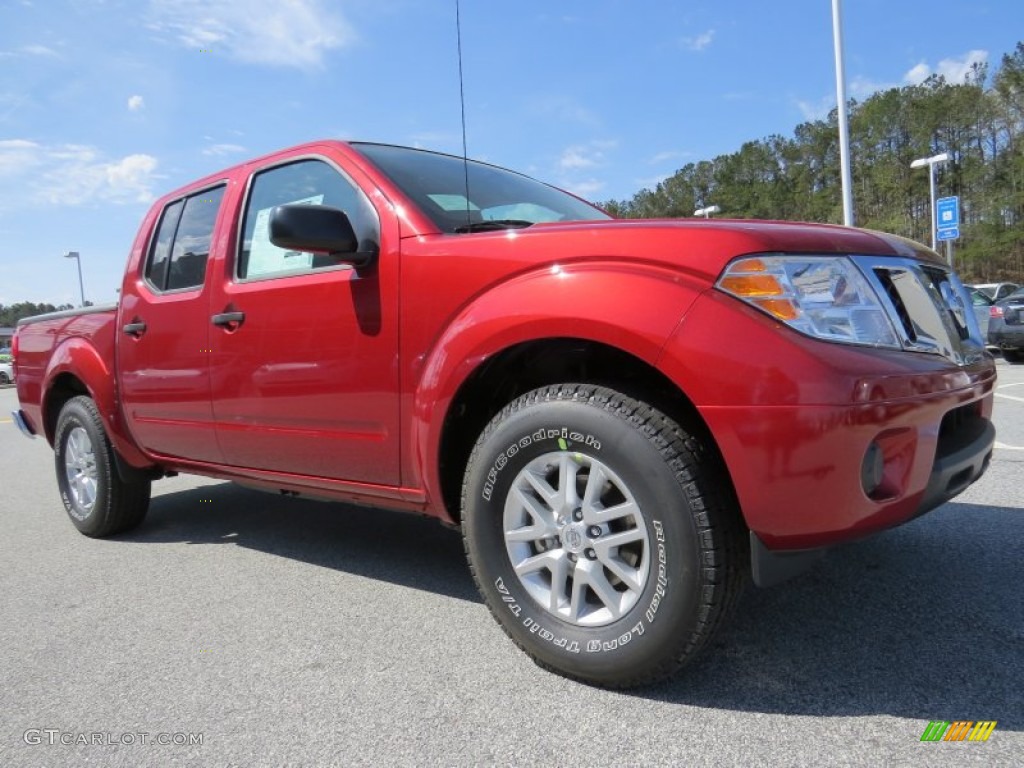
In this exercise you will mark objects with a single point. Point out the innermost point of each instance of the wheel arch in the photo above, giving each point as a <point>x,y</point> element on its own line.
<point>537,363</point>
<point>76,368</point>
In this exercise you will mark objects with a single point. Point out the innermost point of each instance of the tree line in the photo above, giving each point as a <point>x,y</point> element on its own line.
<point>10,315</point>
<point>979,122</point>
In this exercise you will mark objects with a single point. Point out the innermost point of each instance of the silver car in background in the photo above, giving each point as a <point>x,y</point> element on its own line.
<point>982,303</point>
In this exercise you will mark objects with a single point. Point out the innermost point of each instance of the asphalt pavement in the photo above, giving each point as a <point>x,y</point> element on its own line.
<point>247,629</point>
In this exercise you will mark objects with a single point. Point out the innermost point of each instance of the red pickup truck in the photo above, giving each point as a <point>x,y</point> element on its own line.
<point>627,418</point>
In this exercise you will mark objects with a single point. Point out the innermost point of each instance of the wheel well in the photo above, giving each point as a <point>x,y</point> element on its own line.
<point>535,364</point>
<point>64,387</point>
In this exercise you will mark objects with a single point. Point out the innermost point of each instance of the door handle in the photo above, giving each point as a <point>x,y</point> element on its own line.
<point>135,329</point>
<point>230,320</point>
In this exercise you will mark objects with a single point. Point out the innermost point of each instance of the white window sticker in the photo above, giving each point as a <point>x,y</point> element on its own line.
<point>265,258</point>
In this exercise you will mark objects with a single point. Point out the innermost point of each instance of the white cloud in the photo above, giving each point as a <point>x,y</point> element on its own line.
<point>135,103</point>
<point>16,156</point>
<point>38,50</point>
<point>280,33</point>
<point>651,182</point>
<point>918,74</point>
<point>954,70</point>
<point>33,49</point>
<point>700,42</point>
<point>586,189</point>
<point>671,154</point>
<point>71,174</point>
<point>861,88</point>
<point>81,178</point>
<point>816,110</point>
<point>578,159</point>
<point>565,109</point>
<point>574,158</point>
<point>220,150</point>
<point>589,155</point>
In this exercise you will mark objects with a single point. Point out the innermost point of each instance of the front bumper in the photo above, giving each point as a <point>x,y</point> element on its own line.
<point>828,443</point>
<point>810,476</point>
<point>962,460</point>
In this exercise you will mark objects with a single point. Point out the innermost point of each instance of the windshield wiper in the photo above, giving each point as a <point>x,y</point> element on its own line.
<point>492,225</point>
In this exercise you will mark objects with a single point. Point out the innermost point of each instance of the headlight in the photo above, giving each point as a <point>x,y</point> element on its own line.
<point>822,296</point>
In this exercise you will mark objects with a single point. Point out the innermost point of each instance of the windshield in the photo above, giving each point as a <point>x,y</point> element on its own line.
<point>498,199</point>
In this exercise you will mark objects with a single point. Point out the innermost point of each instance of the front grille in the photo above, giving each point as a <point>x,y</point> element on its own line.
<point>901,312</point>
<point>928,306</point>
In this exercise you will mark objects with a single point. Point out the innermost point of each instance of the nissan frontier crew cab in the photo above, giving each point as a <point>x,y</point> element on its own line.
<point>626,418</point>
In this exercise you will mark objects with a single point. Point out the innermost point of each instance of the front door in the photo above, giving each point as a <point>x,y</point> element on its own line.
<point>304,348</point>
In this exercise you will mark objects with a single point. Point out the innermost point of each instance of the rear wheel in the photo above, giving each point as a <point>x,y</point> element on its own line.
<point>1013,355</point>
<point>4,378</point>
<point>602,536</point>
<point>95,497</point>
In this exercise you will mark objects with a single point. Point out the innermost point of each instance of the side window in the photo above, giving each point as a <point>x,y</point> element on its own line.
<point>181,247</point>
<point>312,182</point>
<point>156,269</point>
<point>192,242</point>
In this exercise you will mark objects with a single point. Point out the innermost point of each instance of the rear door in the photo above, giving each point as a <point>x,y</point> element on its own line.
<point>163,349</point>
<point>304,360</point>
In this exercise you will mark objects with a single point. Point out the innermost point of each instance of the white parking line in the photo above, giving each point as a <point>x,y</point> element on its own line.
<point>1005,447</point>
<point>1009,397</point>
<point>1014,384</point>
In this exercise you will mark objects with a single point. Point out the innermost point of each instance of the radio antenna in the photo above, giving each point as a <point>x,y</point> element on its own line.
<point>462,104</point>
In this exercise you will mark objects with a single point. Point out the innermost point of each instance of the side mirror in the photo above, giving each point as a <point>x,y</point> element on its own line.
<point>319,229</point>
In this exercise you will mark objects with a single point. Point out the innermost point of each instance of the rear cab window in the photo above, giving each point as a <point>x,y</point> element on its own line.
<point>180,247</point>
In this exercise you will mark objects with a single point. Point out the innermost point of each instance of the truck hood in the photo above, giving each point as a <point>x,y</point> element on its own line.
<point>699,247</point>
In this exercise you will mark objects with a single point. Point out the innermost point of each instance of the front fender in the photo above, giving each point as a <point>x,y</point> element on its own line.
<point>631,307</point>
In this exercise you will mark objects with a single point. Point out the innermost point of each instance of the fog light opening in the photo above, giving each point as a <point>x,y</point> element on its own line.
<point>872,469</point>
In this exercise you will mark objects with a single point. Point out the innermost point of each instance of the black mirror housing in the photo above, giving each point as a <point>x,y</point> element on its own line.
<point>316,228</point>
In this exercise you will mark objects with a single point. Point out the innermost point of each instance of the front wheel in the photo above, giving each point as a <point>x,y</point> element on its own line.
<point>602,536</point>
<point>95,497</point>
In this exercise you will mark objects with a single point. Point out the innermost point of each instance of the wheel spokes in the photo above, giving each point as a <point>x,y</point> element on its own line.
<point>579,560</point>
<point>80,468</point>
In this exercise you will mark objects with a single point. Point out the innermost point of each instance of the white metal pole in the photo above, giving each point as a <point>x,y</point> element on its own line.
<point>931,191</point>
<point>81,286</point>
<point>844,128</point>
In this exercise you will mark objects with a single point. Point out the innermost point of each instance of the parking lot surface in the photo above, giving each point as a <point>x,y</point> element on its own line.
<point>286,632</point>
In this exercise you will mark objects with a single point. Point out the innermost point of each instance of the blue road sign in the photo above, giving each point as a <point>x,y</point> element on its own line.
<point>948,233</point>
<point>947,212</point>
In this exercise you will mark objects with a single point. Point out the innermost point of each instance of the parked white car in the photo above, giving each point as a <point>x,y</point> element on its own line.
<point>996,291</point>
<point>6,373</point>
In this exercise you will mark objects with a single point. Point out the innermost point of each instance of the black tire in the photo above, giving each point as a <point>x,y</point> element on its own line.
<point>4,378</point>
<point>116,506</point>
<point>695,548</point>
<point>1013,356</point>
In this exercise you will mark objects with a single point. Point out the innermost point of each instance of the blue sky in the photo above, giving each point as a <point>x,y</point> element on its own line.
<point>107,104</point>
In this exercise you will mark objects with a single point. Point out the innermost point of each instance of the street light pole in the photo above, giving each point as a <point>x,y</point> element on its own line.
<point>931,162</point>
<point>81,288</point>
<point>844,128</point>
